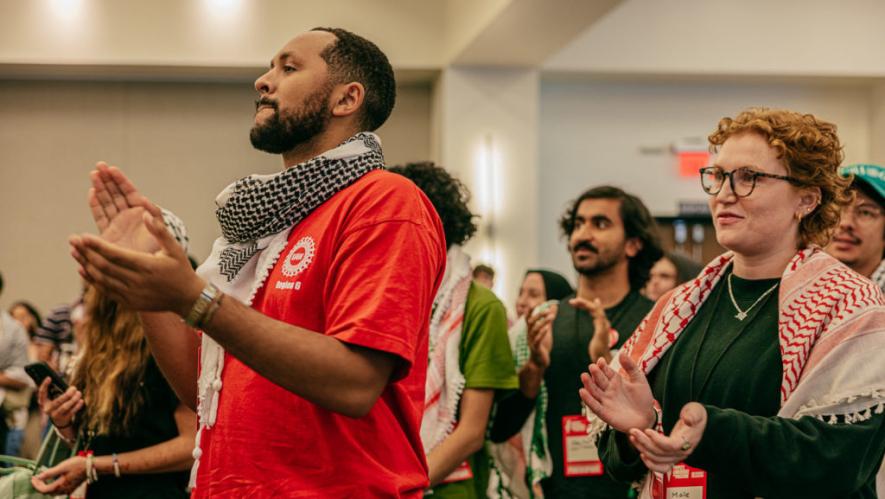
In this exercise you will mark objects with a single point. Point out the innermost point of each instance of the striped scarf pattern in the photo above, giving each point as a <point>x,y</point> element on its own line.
<point>831,329</point>
<point>527,450</point>
<point>445,381</point>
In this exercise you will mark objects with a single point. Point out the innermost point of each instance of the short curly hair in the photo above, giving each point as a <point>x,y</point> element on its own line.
<point>448,196</point>
<point>811,152</point>
<point>353,58</point>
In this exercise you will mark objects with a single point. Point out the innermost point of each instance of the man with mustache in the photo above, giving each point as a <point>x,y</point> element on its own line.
<point>314,304</point>
<point>613,242</point>
<point>859,241</point>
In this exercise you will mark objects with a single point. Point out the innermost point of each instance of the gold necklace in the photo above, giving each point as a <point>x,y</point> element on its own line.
<point>742,314</point>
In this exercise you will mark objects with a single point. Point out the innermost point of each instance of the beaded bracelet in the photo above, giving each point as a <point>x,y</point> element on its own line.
<point>91,472</point>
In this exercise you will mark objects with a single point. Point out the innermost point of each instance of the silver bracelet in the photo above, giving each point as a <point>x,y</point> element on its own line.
<point>658,417</point>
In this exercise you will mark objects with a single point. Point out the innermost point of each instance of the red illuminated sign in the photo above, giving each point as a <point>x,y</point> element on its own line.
<point>692,161</point>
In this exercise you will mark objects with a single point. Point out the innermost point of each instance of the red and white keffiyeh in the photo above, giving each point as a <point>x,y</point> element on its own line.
<point>831,329</point>
<point>445,381</point>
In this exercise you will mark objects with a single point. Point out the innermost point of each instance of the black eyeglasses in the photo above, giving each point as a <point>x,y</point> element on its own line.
<point>742,180</point>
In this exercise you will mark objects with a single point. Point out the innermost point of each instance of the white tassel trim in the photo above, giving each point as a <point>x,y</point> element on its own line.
<point>871,402</point>
<point>212,358</point>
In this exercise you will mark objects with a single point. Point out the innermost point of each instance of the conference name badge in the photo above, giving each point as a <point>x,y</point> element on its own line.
<point>685,482</point>
<point>580,455</point>
<point>461,473</point>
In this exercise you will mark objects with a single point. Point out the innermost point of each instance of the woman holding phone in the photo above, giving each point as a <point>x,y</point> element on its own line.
<point>136,435</point>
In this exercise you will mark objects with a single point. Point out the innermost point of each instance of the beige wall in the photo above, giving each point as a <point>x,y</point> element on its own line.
<point>489,139</point>
<point>757,37</point>
<point>594,133</point>
<point>181,143</point>
<point>877,125</point>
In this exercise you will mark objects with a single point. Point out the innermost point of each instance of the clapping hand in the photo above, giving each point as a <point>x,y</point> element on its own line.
<point>136,262</point>
<point>119,209</point>
<point>661,452</point>
<point>623,400</point>
<point>600,344</point>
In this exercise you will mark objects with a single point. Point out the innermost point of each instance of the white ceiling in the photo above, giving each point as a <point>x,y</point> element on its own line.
<point>232,39</point>
<point>725,37</point>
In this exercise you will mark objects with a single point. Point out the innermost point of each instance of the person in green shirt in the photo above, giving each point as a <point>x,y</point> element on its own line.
<point>470,359</point>
<point>763,376</point>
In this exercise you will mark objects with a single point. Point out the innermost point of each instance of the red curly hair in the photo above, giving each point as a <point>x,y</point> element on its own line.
<point>811,152</point>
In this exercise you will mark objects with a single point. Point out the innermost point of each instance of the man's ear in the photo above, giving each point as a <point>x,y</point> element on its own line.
<point>633,247</point>
<point>347,99</point>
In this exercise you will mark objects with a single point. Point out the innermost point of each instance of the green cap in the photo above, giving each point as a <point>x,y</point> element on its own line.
<point>872,175</point>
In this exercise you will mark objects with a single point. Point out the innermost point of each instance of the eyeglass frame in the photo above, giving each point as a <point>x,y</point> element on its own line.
<point>855,209</point>
<point>793,180</point>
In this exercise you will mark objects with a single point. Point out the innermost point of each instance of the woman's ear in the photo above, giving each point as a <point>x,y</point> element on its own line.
<point>809,200</point>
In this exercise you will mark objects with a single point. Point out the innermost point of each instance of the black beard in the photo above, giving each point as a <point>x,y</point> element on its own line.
<point>603,263</point>
<point>282,133</point>
<point>600,267</point>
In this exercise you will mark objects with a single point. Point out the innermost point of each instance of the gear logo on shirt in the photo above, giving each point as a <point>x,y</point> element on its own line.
<point>300,257</point>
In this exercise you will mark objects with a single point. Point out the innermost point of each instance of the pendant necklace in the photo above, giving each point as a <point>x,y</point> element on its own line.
<point>742,314</point>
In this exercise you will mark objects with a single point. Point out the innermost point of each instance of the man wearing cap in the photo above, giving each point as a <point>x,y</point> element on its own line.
<point>859,241</point>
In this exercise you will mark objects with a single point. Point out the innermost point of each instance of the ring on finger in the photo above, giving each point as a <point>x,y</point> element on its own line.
<point>685,444</point>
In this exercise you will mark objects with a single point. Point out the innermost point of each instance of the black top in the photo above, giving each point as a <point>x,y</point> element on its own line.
<point>154,424</point>
<point>734,368</point>
<point>572,332</point>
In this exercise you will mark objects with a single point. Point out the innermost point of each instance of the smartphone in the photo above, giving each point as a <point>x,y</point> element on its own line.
<point>38,371</point>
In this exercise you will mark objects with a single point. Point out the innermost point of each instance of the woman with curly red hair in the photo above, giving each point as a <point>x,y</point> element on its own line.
<point>762,377</point>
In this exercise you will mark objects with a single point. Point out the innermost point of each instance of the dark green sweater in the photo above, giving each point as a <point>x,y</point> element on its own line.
<point>734,368</point>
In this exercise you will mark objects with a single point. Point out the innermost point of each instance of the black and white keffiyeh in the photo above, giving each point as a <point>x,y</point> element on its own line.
<point>259,206</point>
<point>257,215</point>
<point>176,227</point>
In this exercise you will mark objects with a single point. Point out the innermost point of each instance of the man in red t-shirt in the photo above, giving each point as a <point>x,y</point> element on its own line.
<point>314,303</point>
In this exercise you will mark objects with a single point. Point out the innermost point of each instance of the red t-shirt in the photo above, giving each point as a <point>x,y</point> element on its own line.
<point>364,268</point>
